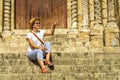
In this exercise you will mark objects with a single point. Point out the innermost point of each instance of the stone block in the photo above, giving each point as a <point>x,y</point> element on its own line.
<point>12,77</point>
<point>2,48</point>
<point>84,62</point>
<point>3,69</point>
<point>2,77</point>
<point>91,1</point>
<point>42,77</point>
<point>106,55</point>
<point>104,6</point>
<point>82,49</point>
<point>27,77</point>
<point>57,76</point>
<point>104,14</point>
<point>104,21</point>
<point>91,8</point>
<point>111,27</point>
<point>16,49</point>
<point>18,62</point>
<point>63,68</point>
<point>14,69</point>
<point>96,32</point>
<point>96,41</point>
<point>69,78</point>
<point>64,61</point>
<point>112,49</point>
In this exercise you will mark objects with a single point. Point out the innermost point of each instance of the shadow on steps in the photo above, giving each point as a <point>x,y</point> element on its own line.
<point>36,62</point>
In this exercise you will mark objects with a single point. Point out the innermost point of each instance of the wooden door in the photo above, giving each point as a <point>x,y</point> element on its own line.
<point>47,10</point>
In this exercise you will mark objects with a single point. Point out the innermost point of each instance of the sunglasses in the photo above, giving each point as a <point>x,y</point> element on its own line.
<point>37,23</point>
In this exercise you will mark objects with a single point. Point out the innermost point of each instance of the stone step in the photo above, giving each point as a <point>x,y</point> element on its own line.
<point>57,47</point>
<point>61,76</point>
<point>66,55</point>
<point>20,43</point>
<point>59,68</point>
<point>62,61</point>
<point>26,62</point>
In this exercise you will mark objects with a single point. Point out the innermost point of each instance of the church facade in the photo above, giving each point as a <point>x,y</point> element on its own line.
<point>96,22</point>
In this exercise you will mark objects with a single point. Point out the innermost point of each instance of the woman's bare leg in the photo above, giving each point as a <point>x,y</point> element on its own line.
<point>48,57</point>
<point>41,64</point>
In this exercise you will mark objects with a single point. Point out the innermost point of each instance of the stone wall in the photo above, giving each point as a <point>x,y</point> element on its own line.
<point>95,22</point>
<point>98,21</point>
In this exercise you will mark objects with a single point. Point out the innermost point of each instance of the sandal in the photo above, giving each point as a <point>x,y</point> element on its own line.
<point>48,63</point>
<point>44,70</point>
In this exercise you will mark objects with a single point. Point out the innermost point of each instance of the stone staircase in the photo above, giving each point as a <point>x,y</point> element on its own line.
<point>74,59</point>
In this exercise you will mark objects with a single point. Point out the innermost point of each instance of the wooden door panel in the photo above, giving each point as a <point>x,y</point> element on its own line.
<point>47,10</point>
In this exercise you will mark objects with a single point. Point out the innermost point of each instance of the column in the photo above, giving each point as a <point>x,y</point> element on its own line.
<point>1,14</point>
<point>74,14</point>
<point>6,16</point>
<point>97,28</point>
<point>97,11</point>
<point>119,6</point>
<point>79,14</point>
<point>85,17</point>
<point>111,12</point>
<point>104,18</point>
<point>112,29</point>
<point>119,19</point>
<point>91,13</point>
<point>104,12</point>
<point>69,14</point>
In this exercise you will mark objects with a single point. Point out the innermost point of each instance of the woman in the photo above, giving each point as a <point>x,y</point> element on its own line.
<point>38,49</point>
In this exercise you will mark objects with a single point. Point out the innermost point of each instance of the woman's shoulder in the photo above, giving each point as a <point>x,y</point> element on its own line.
<point>42,31</point>
<point>29,33</point>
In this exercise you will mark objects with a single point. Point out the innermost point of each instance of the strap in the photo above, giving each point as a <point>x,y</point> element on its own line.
<point>38,38</point>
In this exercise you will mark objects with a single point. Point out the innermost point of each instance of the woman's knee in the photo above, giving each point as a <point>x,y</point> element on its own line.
<point>47,43</point>
<point>39,50</point>
<point>39,54</point>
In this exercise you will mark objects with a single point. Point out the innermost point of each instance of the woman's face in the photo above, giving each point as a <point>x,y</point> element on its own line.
<point>36,25</point>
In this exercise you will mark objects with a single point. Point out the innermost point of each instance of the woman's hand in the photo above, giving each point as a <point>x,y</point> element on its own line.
<point>43,47</point>
<point>56,23</point>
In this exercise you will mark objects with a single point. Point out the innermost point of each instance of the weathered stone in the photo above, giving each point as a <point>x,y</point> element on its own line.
<point>87,50</point>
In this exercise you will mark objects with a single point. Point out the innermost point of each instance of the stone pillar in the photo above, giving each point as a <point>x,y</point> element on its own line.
<point>85,17</point>
<point>74,14</point>
<point>79,14</point>
<point>91,13</point>
<point>97,11</point>
<point>119,6</point>
<point>119,19</point>
<point>83,23</point>
<point>104,12</point>
<point>6,16</point>
<point>97,29</point>
<point>112,30</point>
<point>69,14</point>
<point>104,18</point>
<point>12,16</point>
<point>74,17</point>
<point>1,15</point>
<point>111,12</point>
